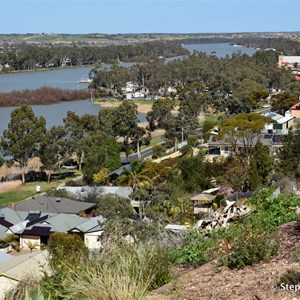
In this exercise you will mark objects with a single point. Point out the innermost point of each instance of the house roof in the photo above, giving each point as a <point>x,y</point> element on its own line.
<point>38,230</point>
<point>295,106</point>
<point>25,264</point>
<point>53,205</point>
<point>103,190</point>
<point>203,197</point>
<point>91,225</point>
<point>284,119</point>
<point>274,116</point>
<point>13,216</point>
<point>120,170</point>
<point>64,222</point>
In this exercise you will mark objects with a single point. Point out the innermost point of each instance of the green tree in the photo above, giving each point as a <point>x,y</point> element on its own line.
<point>65,250</point>
<point>79,131</point>
<point>125,127</point>
<point>22,139</point>
<point>53,149</point>
<point>105,153</point>
<point>134,179</point>
<point>261,164</point>
<point>160,115</point>
<point>243,131</point>
<point>113,206</point>
<point>289,154</point>
<point>192,172</point>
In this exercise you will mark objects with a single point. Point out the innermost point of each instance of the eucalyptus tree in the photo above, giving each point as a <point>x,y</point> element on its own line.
<point>53,149</point>
<point>104,153</point>
<point>243,130</point>
<point>160,115</point>
<point>79,132</point>
<point>125,128</point>
<point>22,140</point>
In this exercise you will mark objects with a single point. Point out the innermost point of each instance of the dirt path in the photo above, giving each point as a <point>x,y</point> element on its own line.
<point>210,282</point>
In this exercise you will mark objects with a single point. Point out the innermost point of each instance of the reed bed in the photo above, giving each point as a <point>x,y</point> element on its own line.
<point>43,95</point>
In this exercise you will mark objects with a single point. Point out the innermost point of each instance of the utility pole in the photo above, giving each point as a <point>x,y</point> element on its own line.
<point>138,149</point>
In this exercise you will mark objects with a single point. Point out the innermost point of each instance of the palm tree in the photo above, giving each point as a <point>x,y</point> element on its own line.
<point>134,179</point>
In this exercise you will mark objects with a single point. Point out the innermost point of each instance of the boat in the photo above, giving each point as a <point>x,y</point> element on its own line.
<point>85,80</point>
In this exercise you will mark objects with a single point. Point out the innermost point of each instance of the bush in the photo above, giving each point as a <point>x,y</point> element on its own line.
<point>291,277</point>
<point>196,249</point>
<point>158,151</point>
<point>65,249</point>
<point>251,250</point>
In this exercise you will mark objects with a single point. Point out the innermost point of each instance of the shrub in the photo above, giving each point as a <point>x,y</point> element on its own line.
<point>251,250</point>
<point>291,277</point>
<point>196,249</point>
<point>65,249</point>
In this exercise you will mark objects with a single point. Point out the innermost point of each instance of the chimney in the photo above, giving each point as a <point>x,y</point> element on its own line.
<point>13,206</point>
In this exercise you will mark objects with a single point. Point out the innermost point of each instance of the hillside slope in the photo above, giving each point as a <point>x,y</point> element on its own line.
<point>211,282</point>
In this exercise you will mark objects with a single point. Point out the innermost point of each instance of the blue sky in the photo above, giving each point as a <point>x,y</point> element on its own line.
<point>144,16</point>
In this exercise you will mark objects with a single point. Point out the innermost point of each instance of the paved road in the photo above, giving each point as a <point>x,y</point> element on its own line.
<point>144,154</point>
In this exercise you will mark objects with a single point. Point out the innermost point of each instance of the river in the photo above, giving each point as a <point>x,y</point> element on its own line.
<point>68,78</point>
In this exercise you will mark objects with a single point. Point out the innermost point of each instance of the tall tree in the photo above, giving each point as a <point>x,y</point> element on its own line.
<point>53,149</point>
<point>22,139</point>
<point>289,154</point>
<point>244,130</point>
<point>105,153</point>
<point>79,131</point>
<point>125,127</point>
<point>160,115</point>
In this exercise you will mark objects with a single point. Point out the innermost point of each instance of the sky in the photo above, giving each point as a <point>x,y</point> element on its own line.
<point>144,16</point>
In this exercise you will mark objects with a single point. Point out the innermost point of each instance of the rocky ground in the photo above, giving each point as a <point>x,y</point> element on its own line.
<point>212,282</point>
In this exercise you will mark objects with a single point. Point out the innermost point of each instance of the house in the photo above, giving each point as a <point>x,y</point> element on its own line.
<point>202,201</point>
<point>9,217</point>
<point>48,204</point>
<point>295,110</point>
<point>281,124</point>
<point>288,61</point>
<point>39,230</point>
<point>91,231</point>
<point>221,147</point>
<point>20,267</point>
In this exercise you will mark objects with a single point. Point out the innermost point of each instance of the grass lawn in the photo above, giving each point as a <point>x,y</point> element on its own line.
<point>153,142</point>
<point>28,190</point>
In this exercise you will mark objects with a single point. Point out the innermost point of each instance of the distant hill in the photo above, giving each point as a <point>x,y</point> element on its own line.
<point>99,39</point>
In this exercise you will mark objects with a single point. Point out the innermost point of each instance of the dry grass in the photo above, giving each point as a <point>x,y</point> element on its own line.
<point>10,186</point>
<point>124,280</point>
<point>141,107</point>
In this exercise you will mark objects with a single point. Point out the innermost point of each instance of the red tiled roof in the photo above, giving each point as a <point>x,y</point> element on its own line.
<point>297,104</point>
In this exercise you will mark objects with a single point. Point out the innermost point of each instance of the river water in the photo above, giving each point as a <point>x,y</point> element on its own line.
<point>68,78</point>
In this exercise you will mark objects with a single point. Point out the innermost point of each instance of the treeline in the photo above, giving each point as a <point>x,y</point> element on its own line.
<point>43,95</point>
<point>286,46</point>
<point>232,84</point>
<point>30,57</point>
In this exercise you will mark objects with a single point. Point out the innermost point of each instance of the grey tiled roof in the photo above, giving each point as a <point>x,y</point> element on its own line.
<point>65,222</point>
<point>91,225</point>
<point>53,205</point>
